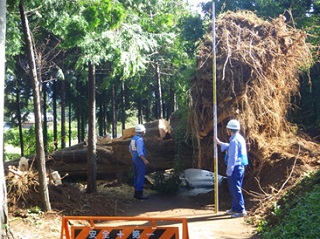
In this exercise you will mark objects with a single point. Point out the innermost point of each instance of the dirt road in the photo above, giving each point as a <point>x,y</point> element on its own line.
<point>199,211</point>
<point>202,223</point>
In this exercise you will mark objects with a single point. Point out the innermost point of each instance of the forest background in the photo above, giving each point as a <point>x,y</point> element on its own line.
<point>110,61</point>
<point>143,63</point>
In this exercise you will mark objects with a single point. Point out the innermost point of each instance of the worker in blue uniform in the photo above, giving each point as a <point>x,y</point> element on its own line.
<point>236,161</point>
<point>139,161</point>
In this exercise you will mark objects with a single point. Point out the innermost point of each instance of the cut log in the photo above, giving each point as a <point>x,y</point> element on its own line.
<point>127,133</point>
<point>160,153</point>
<point>158,128</point>
<point>104,154</point>
<point>164,128</point>
<point>103,140</point>
<point>76,146</point>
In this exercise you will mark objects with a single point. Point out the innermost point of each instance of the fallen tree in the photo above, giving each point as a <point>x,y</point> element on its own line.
<point>113,156</point>
<point>257,67</point>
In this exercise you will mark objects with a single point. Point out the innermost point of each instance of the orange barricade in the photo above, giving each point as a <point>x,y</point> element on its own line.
<point>94,231</point>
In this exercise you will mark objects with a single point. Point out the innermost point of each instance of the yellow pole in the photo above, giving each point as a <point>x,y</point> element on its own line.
<point>215,130</point>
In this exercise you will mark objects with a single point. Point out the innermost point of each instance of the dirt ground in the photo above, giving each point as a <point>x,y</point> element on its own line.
<point>114,199</point>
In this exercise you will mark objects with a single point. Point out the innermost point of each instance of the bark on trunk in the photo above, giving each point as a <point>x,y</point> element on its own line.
<point>123,104</point>
<point>19,120</point>
<point>44,192</point>
<point>114,116</point>
<point>159,92</point>
<point>91,163</point>
<point>55,119</point>
<point>45,125</point>
<point>77,106</point>
<point>70,121</point>
<point>63,113</point>
<point>139,109</point>
<point>3,191</point>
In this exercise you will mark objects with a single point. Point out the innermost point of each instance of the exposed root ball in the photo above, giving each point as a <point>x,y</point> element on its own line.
<point>257,67</point>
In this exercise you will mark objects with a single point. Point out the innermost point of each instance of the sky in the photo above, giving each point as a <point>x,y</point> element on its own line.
<point>195,2</point>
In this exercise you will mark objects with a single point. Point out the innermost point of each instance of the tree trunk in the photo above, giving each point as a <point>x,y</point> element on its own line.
<point>63,113</point>
<point>43,89</point>
<point>55,119</point>
<point>70,121</point>
<point>91,160</point>
<point>159,93</point>
<point>105,119</point>
<point>148,110</point>
<point>3,190</point>
<point>82,124</point>
<point>19,119</point>
<point>44,192</point>
<point>171,101</point>
<point>100,119</point>
<point>114,113</point>
<point>78,125</point>
<point>123,103</point>
<point>45,125</point>
<point>139,109</point>
<point>78,112</point>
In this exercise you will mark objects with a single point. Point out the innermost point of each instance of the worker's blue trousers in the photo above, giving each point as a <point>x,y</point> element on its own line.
<point>235,189</point>
<point>139,170</point>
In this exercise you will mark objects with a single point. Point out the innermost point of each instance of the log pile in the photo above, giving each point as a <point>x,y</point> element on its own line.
<point>113,157</point>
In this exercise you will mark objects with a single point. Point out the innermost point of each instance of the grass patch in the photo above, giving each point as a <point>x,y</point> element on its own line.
<point>297,215</point>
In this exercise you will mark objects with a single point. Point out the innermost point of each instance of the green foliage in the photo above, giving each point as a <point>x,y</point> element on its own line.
<point>102,14</point>
<point>302,220</point>
<point>11,137</point>
<point>116,16</point>
<point>124,39</point>
<point>35,210</point>
<point>167,183</point>
<point>276,209</point>
<point>76,31</point>
<point>13,46</point>
<point>192,30</point>
<point>10,156</point>
<point>180,131</point>
<point>300,213</point>
<point>91,16</point>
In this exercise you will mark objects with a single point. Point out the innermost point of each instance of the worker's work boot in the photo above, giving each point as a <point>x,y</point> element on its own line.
<point>135,194</point>
<point>140,195</point>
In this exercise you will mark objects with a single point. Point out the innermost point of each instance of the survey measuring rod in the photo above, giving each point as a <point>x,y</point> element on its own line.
<point>214,97</point>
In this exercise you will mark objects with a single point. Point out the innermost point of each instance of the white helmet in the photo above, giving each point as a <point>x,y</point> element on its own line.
<point>140,128</point>
<point>233,124</point>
